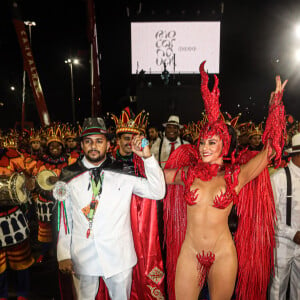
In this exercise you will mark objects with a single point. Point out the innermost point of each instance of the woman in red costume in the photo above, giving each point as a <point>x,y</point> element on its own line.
<point>211,188</point>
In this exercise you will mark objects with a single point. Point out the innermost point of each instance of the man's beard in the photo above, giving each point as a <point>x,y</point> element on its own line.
<point>96,159</point>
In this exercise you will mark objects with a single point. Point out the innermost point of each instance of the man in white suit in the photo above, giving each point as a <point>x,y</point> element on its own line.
<point>96,239</point>
<point>286,190</point>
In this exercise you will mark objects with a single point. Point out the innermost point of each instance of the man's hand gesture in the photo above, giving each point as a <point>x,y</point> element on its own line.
<point>140,146</point>
<point>279,89</point>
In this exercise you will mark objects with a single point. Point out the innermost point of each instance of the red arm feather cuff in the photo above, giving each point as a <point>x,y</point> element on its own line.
<point>275,130</point>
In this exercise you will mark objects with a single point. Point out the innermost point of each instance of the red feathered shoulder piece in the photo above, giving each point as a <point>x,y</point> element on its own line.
<point>254,238</point>
<point>175,211</point>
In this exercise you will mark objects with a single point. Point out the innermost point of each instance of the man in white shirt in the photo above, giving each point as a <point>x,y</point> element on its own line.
<point>170,142</point>
<point>96,241</point>
<point>287,254</point>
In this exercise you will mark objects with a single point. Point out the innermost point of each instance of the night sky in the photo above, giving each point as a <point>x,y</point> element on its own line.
<point>257,42</point>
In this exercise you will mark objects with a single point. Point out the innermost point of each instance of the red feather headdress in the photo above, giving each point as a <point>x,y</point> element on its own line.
<point>215,124</point>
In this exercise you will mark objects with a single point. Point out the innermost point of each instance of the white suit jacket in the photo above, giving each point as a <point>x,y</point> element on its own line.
<point>110,249</point>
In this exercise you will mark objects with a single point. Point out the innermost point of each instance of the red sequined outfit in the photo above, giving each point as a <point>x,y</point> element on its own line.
<point>255,204</point>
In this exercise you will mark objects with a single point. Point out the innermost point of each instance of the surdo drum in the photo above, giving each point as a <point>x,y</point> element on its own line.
<point>42,180</point>
<point>13,190</point>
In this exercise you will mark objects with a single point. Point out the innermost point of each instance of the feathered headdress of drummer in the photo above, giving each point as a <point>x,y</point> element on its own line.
<point>54,134</point>
<point>215,124</point>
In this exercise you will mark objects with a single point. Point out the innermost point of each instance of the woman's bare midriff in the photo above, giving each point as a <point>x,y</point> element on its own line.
<point>207,226</point>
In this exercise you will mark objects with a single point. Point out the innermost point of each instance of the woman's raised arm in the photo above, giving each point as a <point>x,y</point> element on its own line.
<point>273,138</point>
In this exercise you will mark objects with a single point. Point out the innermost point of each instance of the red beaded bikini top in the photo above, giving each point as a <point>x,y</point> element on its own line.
<point>206,172</point>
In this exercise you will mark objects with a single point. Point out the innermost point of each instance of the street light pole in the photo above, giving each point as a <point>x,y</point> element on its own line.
<point>29,24</point>
<point>70,62</point>
<point>72,93</point>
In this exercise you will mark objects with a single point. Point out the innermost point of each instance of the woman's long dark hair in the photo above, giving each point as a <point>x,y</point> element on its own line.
<point>232,218</point>
<point>233,143</point>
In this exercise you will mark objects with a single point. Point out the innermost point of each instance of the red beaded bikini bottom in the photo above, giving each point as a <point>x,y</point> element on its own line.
<point>205,261</point>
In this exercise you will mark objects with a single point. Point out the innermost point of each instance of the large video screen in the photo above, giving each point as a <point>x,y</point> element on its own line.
<point>179,47</point>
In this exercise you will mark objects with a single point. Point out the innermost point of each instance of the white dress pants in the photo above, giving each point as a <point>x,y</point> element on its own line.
<point>287,266</point>
<point>119,286</point>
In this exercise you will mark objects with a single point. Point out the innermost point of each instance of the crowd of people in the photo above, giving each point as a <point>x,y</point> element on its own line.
<point>134,211</point>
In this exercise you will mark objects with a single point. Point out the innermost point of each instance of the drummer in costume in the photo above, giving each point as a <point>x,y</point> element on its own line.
<point>27,162</point>
<point>53,160</point>
<point>200,243</point>
<point>95,237</point>
<point>23,140</point>
<point>35,145</point>
<point>15,250</point>
<point>242,133</point>
<point>254,136</point>
<point>43,136</point>
<point>148,274</point>
<point>71,145</point>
